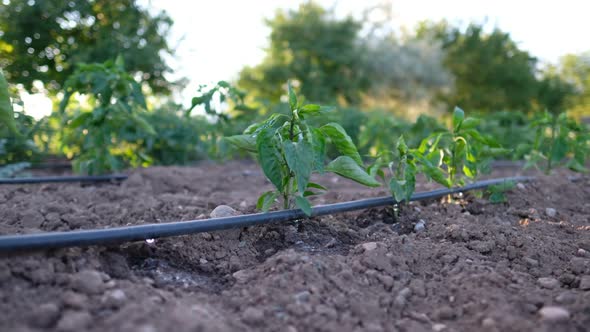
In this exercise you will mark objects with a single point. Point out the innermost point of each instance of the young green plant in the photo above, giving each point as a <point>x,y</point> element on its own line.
<point>558,137</point>
<point>289,150</point>
<point>102,137</point>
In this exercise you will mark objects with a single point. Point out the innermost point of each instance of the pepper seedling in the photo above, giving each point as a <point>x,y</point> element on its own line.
<point>289,150</point>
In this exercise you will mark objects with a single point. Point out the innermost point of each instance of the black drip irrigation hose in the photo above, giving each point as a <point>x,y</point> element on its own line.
<point>52,240</point>
<point>63,179</point>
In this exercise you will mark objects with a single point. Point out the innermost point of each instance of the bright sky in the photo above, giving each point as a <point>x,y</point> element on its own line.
<point>215,39</point>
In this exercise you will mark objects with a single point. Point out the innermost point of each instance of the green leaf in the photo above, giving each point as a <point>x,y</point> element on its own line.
<point>244,142</point>
<point>143,124</point>
<point>292,97</point>
<point>398,190</point>
<point>266,200</point>
<point>560,147</point>
<point>80,120</point>
<point>482,139</point>
<point>316,186</point>
<point>269,158</point>
<point>342,141</point>
<point>348,168</point>
<point>470,123</point>
<point>437,175</point>
<point>6,112</point>
<point>313,110</point>
<point>300,160</point>
<point>303,204</point>
<point>458,116</point>
<point>318,145</point>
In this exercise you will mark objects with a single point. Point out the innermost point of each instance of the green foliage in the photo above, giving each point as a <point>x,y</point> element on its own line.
<point>6,112</point>
<point>289,149</point>
<point>463,152</point>
<point>317,50</point>
<point>10,170</point>
<point>491,72</point>
<point>101,138</point>
<point>497,193</point>
<point>180,140</point>
<point>45,40</point>
<point>558,140</point>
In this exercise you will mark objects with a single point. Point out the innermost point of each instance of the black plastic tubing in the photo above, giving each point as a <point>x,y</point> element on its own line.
<point>55,179</point>
<point>52,240</point>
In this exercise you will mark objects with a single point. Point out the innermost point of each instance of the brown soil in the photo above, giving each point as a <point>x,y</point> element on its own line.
<point>477,266</point>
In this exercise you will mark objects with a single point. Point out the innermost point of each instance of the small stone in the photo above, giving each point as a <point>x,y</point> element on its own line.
<point>241,276</point>
<point>520,186</point>
<point>253,316</point>
<point>531,262</point>
<point>566,298</point>
<point>488,322</point>
<point>551,212</point>
<point>581,252</point>
<point>420,226</point>
<point>115,298</point>
<point>402,297</point>
<point>203,261</point>
<point>369,246</point>
<point>438,327</point>
<point>74,321</point>
<point>444,313</point>
<point>418,287</point>
<point>302,297</point>
<point>88,282</point>
<point>223,211</point>
<point>585,283</point>
<point>45,315</point>
<point>554,314</point>
<point>548,282</point>
<point>74,300</point>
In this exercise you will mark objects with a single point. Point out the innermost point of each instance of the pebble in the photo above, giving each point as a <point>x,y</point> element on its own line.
<point>548,282</point>
<point>45,315</point>
<point>223,211</point>
<point>420,226</point>
<point>551,212</point>
<point>554,314</point>
<point>520,186</point>
<point>418,287</point>
<point>74,300</point>
<point>241,276</point>
<point>531,262</point>
<point>488,322</point>
<point>402,297</point>
<point>253,316</point>
<point>581,252</point>
<point>566,298</point>
<point>114,299</point>
<point>88,282</point>
<point>369,246</point>
<point>444,313</point>
<point>585,283</point>
<point>438,327</point>
<point>74,321</point>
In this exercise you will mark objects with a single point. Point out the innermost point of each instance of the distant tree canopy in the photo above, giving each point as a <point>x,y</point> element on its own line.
<point>309,46</point>
<point>45,39</point>
<point>575,70</point>
<point>491,73</point>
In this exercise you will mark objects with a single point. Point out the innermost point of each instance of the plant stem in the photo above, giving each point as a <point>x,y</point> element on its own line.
<point>550,156</point>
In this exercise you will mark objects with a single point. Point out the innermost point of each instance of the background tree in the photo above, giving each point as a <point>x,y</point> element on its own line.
<point>44,40</point>
<point>491,73</point>
<point>311,46</point>
<point>575,69</point>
